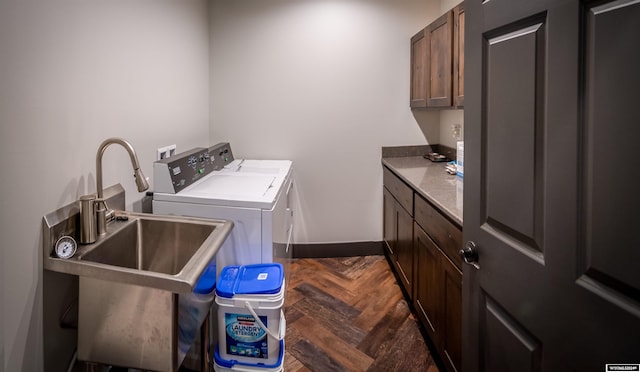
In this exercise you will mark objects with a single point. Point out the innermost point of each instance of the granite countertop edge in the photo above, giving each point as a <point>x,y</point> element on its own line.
<point>400,166</point>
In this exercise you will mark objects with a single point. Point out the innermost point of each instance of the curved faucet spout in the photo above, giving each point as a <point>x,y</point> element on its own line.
<point>141,181</point>
<point>94,212</point>
<point>103,213</point>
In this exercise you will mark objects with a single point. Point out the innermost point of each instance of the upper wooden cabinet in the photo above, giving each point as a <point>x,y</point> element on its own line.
<point>437,62</point>
<point>419,70</point>
<point>458,55</point>
<point>439,67</point>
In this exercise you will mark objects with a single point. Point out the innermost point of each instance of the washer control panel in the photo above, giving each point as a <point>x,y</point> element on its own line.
<point>173,174</point>
<point>223,154</point>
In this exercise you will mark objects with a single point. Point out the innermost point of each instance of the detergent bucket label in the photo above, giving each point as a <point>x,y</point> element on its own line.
<point>245,337</point>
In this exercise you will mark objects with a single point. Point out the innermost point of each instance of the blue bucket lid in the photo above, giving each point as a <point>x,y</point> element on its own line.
<point>250,279</point>
<point>207,281</point>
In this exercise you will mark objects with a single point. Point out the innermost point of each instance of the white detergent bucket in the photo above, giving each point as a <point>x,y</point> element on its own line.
<point>221,365</point>
<point>251,323</point>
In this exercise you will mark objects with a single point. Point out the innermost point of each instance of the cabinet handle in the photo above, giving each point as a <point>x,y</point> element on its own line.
<point>469,254</point>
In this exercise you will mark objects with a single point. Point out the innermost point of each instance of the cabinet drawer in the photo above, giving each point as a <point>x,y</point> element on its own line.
<point>444,233</point>
<point>399,189</point>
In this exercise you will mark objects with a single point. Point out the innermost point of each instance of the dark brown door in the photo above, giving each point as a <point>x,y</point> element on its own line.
<point>551,195</point>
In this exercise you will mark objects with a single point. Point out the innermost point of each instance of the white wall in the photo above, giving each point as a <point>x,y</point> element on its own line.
<point>326,84</point>
<point>72,73</point>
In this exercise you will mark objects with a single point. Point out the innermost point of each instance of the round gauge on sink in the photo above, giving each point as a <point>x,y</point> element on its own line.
<point>66,247</point>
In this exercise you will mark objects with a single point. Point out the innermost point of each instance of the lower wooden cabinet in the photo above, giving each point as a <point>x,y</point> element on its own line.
<point>427,295</point>
<point>438,298</point>
<point>398,236</point>
<point>405,249</point>
<point>422,245</point>
<point>390,223</point>
<point>451,343</point>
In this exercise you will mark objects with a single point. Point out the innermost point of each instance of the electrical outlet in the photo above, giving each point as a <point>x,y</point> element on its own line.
<point>165,152</point>
<point>161,153</point>
<point>455,131</point>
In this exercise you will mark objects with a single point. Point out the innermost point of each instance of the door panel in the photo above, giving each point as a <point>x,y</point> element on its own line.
<point>514,136</point>
<point>509,347</point>
<point>511,170</point>
<point>550,199</point>
<point>611,201</point>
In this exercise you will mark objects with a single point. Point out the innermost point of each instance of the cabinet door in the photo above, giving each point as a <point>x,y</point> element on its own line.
<point>445,234</point>
<point>390,222</point>
<point>418,70</point>
<point>458,55</point>
<point>439,67</point>
<point>404,249</point>
<point>451,345</point>
<point>427,284</point>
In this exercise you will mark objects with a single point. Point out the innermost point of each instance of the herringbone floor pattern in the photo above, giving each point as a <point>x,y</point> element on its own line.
<point>348,314</point>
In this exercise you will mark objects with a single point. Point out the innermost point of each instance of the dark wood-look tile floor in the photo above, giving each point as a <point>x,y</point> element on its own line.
<point>349,314</point>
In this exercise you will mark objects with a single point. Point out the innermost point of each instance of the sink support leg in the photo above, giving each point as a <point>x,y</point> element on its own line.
<point>204,345</point>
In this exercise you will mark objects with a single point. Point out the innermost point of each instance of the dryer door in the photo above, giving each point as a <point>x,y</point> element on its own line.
<point>282,229</point>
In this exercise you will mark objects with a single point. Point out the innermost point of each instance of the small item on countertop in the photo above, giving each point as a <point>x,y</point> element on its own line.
<point>460,157</point>
<point>435,157</point>
<point>451,167</point>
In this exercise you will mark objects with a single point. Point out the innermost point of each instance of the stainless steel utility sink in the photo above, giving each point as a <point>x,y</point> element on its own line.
<point>162,252</point>
<point>136,282</point>
<point>156,245</point>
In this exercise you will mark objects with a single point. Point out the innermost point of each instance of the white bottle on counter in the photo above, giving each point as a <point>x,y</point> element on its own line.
<point>460,159</point>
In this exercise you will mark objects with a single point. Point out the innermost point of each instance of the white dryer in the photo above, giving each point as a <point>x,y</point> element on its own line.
<point>255,194</point>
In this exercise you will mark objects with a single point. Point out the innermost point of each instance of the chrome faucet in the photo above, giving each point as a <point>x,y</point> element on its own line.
<point>94,212</point>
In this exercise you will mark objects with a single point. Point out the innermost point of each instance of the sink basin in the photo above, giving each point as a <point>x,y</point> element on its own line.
<point>136,283</point>
<point>156,245</point>
<point>162,252</point>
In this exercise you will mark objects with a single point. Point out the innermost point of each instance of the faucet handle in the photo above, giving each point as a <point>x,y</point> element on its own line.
<point>103,215</point>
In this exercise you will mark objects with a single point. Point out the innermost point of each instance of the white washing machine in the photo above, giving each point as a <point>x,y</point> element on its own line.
<point>255,194</point>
